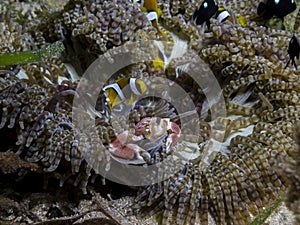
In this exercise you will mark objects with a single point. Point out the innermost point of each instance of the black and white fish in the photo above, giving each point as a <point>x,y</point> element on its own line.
<point>206,11</point>
<point>278,8</point>
<point>222,14</point>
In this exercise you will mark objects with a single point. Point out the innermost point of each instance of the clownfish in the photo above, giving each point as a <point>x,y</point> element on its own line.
<point>153,12</point>
<point>222,14</point>
<point>293,51</point>
<point>210,8</point>
<point>206,11</point>
<point>124,90</point>
<point>278,8</point>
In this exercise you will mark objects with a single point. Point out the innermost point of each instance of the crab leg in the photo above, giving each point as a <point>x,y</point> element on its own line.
<point>174,133</point>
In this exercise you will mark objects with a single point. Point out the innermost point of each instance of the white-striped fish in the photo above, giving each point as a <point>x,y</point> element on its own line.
<point>124,90</point>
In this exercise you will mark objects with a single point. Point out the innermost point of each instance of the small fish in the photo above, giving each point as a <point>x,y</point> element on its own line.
<point>206,11</point>
<point>294,50</point>
<point>222,14</point>
<point>153,13</point>
<point>278,8</point>
<point>124,90</point>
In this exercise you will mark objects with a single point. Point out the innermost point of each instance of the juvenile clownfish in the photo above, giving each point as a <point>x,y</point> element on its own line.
<point>206,11</point>
<point>210,8</point>
<point>294,51</point>
<point>222,14</point>
<point>153,12</point>
<point>279,8</point>
<point>124,90</point>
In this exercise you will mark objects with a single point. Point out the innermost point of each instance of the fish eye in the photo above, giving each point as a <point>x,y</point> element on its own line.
<point>277,1</point>
<point>205,5</point>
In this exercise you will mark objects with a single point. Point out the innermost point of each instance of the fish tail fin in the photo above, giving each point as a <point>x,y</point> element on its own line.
<point>159,31</point>
<point>159,12</point>
<point>294,63</point>
<point>287,64</point>
<point>208,24</point>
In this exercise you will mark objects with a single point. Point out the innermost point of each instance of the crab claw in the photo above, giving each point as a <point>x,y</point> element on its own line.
<point>140,127</point>
<point>122,152</point>
<point>120,140</point>
<point>127,153</point>
<point>174,133</point>
<point>130,154</point>
<point>157,127</point>
<point>140,153</point>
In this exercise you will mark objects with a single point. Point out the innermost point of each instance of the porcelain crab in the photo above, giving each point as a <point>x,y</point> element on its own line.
<point>134,147</point>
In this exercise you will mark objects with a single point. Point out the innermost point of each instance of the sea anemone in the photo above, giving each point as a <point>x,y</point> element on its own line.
<point>261,98</point>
